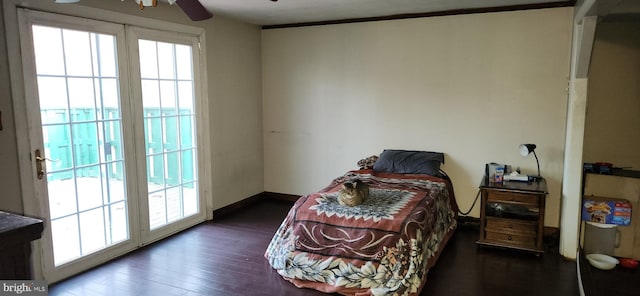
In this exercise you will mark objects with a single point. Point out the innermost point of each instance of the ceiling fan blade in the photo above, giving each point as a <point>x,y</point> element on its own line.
<point>194,10</point>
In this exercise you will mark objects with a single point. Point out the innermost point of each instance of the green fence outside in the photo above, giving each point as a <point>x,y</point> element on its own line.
<point>178,145</point>
<point>83,131</point>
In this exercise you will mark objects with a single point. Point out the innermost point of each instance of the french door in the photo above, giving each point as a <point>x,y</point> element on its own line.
<point>112,129</point>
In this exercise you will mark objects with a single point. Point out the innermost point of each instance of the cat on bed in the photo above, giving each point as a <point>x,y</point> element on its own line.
<point>353,193</point>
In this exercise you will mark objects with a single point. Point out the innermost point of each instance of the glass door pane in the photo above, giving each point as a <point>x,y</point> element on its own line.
<point>167,83</point>
<point>82,135</point>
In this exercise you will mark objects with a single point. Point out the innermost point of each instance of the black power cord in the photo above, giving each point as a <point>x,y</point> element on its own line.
<point>444,175</point>
<point>472,205</point>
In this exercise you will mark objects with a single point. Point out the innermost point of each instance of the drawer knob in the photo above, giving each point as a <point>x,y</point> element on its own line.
<point>510,225</point>
<point>510,238</point>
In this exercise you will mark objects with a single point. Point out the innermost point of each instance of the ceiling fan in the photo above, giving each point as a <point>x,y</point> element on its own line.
<point>192,8</point>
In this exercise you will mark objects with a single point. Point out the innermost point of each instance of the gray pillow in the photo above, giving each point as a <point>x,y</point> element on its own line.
<point>409,162</point>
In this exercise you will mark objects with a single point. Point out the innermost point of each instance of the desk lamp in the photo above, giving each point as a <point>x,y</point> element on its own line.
<point>526,149</point>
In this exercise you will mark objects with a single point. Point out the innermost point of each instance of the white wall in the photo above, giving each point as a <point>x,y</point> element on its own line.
<point>473,86</point>
<point>613,109</point>
<point>235,111</point>
<point>234,84</point>
<point>9,181</point>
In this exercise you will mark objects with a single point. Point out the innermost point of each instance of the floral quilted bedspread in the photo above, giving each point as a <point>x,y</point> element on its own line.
<point>384,246</point>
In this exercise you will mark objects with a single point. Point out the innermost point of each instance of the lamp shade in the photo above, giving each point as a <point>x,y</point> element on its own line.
<point>525,149</point>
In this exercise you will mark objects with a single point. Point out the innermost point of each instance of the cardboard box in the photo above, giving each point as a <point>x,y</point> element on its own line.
<point>606,210</point>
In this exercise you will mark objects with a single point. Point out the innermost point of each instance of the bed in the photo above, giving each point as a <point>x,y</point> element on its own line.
<point>384,246</point>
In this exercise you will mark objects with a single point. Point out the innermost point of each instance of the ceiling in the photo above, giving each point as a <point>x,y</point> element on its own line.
<point>269,13</point>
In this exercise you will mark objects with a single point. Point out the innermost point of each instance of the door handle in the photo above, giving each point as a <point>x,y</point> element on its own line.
<point>39,160</point>
<point>39,166</point>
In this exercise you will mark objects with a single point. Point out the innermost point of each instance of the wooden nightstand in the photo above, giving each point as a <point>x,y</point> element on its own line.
<point>512,214</point>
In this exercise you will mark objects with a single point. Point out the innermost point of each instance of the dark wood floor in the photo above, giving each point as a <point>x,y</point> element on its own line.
<point>225,257</point>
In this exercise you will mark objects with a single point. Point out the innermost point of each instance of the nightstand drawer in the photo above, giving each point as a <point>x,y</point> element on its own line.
<point>503,196</point>
<point>511,239</point>
<point>512,226</point>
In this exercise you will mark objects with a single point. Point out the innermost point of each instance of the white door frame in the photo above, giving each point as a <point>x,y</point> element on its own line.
<point>133,34</point>
<point>27,18</point>
<point>27,169</point>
